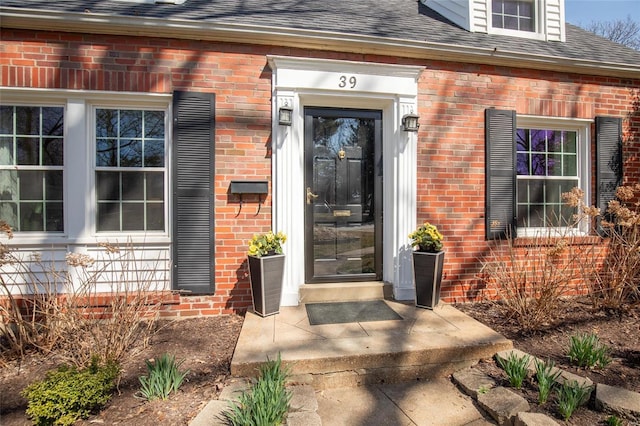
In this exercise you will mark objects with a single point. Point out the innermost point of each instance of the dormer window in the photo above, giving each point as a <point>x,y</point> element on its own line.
<point>516,15</point>
<point>533,19</point>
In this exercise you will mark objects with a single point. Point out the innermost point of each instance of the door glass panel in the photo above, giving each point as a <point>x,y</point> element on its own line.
<point>341,194</point>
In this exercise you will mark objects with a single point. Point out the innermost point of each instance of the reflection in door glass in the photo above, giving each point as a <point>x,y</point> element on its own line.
<point>344,210</point>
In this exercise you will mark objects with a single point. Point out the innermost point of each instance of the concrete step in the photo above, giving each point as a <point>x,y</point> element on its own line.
<point>342,292</point>
<point>423,344</point>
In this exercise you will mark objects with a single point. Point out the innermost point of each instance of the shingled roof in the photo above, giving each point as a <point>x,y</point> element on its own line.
<point>404,25</point>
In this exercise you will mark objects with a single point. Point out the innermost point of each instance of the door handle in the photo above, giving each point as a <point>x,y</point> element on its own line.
<point>310,196</point>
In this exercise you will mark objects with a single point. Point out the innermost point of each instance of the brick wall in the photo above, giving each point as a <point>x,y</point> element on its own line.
<point>450,146</point>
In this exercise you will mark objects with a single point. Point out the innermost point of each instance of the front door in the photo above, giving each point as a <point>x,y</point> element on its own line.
<point>343,195</point>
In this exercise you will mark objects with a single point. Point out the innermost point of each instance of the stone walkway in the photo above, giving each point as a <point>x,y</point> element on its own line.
<point>508,408</point>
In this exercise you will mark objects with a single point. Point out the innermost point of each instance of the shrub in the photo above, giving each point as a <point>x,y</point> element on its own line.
<point>571,395</point>
<point>68,394</point>
<point>585,350</point>
<point>546,378</point>
<point>613,275</point>
<point>164,377</point>
<point>268,401</point>
<point>61,310</point>
<point>515,367</point>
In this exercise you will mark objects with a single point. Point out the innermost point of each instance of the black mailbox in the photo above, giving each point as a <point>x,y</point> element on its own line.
<point>249,187</point>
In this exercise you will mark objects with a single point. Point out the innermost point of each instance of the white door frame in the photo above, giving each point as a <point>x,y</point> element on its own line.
<point>300,82</point>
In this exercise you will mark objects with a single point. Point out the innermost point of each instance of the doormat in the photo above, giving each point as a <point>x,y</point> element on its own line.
<point>345,312</point>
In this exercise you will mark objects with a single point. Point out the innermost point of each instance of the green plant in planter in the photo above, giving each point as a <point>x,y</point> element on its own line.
<point>427,238</point>
<point>266,244</point>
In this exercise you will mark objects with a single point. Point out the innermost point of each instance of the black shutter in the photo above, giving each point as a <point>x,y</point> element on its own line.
<point>608,159</point>
<point>500,174</point>
<point>193,198</point>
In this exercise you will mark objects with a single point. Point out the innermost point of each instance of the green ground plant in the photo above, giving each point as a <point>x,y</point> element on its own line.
<point>515,367</point>
<point>570,396</point>
<point>613,421</point>
<point>68,394</point>
<point>586,350</point>
<point>164,377</point>
<point>267,403</point>
<point>546,378</point>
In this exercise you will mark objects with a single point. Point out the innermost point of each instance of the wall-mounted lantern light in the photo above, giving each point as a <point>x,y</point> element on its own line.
<point>410,122</point>
<point>285,115</point>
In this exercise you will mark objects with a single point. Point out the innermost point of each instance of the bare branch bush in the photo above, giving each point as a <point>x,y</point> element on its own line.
<point>94,308</point>
<point>613,276</point>
<point>532,274</point>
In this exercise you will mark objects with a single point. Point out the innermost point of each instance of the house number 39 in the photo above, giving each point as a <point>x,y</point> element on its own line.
<point>350,81</point>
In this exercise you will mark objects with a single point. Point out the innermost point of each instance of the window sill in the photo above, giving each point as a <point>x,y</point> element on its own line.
<point>550,240</point>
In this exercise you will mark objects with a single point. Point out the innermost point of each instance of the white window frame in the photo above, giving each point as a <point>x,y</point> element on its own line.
<point>94,169</point>
<point>583,144</point>
<point>79,197</point>
<point>538,30</point>
<point>36,103</point>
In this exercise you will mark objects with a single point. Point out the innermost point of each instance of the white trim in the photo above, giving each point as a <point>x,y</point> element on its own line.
<point>311,82</point>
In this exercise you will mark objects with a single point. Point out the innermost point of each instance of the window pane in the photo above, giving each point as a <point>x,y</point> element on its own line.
<point>154,153</point>
<point>52,152</point>
<point>570,165</point>
<point>538,165</point>
<point>525,24</point>
<point>511,7</point>
<point>130,153</point>
<point>132,186</point>
<point>55,222</point>
<point>154,124</point>
<point>155,186</point>
<point>6,120</point>
<point>30,185</point>
<point>6,151</point>
<point>570,142</point>
<point>522,164</point>
<point>155,217</point>
<point>53,185</point>
<point>108,217</point>
<point>536,215</point>
<point>9,213</point>
<point>133,216</point>
<point>510,23</point>
<point>31,217</point>
<point>106,123</point>
<point>108,185</point>
<point>555,165</point>
<point>497,6</point>
<point>8,185</point>
<point>27,120</point>
<point>130,124</point>
<point>107,153</point>
<point>28,151</point>
<point>52,124</point>
<point>522,191</point>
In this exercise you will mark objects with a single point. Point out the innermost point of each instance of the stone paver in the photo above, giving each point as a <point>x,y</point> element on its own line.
<point>212,414</point>
<point>473,381</point>
<point>534,419</point>
<point>502,404</point>
<point>618,401</point>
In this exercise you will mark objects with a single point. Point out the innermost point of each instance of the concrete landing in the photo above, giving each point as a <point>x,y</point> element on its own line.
<point>424,344</point>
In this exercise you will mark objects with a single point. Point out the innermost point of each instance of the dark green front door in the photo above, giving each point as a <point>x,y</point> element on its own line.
<point>343,195</point>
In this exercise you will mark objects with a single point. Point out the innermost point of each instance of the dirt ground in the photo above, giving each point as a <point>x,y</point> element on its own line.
<point>206,345</point>
<point>620,333</point>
